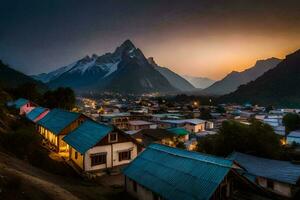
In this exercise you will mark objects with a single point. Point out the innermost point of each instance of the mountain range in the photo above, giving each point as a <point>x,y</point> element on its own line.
<point>233,80</point>
<point>278,86</point>
<point>199,82</point>
<point>11,78</point>
<point>126,70</point>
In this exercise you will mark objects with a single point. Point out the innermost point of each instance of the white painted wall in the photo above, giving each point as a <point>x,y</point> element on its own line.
<point>141,193</point>
<point>111,161</point>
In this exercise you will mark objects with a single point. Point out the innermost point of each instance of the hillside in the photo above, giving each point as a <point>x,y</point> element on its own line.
<point>11,78</point>
<point>233,80</point>
<point>278,86</point>
<point>176,80</point>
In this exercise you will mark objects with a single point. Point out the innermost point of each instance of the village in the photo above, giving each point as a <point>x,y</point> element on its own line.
<point>153,145</point>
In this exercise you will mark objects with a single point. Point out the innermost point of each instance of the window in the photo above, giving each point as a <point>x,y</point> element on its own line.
<point>134,185</point>
<point>98,159</point>
<point>76,155</point>
<point>113,137</point>
<point>125,155</point>
<point>270,184</point>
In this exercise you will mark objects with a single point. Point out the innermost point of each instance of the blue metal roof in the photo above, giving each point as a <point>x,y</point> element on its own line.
<point>20,102</point>
<point>87,135</point>
<point>176,174</point>
<point>57,119</point>
<point>282,171</point>
<point>33,114</point>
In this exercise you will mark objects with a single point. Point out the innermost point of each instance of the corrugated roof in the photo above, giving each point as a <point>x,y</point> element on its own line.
<point>177,174</point>
<point>179,131</point>
<point>57,119</point>
<point>282,171</point>
<point>20,102</point>
<point>139,122</point>
<point>183,121</point>
<point>34,113</point>
<point>295,134</point>
<point>87,135</point>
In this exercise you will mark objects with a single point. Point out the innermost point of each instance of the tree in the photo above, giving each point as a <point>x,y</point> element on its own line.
<point>257,139</point>
<point>27,90</point>
<point>60,98</point>
<point>291,121</point>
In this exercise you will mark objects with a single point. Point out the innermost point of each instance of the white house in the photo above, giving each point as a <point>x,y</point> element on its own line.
<point>95,147</point>
<point>192,125</point>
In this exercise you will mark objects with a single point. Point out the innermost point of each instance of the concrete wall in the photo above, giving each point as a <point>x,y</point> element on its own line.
<point>283,189</point>
<point>279,188</point>
<point>195,128</point>
<point>112,155</point>
<point>141,193</point>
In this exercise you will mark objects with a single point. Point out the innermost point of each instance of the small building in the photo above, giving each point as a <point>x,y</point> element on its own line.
<point>95,147</point>
<point>162,172</point>
<point>145,137</point>
<point>119,120</point>
<point>192,125</point>
<point>23,105</point>
<point>180,132</point>
<point>140,124</point>
<point>57,124</point>
<point>293,137</point>
<point>279,177</point>
<point>37,114</point>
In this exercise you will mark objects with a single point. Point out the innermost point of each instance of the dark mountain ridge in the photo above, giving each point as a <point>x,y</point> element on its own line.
<point>278,86</point>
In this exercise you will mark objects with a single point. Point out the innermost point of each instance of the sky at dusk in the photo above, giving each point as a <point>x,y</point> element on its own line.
<point>199,38</point>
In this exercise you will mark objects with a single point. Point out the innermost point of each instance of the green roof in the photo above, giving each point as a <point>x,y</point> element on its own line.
<point>20,102</point>
<point>57,119</point>
<point>33,114</point>
<point>179,131</point>
<point>176,174</point>
<point>87,135</point>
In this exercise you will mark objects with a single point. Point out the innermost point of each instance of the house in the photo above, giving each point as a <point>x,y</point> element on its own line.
<point>293,137</point>
<point>119,120</point>
<point>192,125</point>
<point>95,147</point>
<point>169,137</point>
<point>37,114</point>
<point>279,177</point>
<point>140,124</point>
<point>162,172</point>
<point>180,132</point>
<point>23,105</point>
<point>58,123</point>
